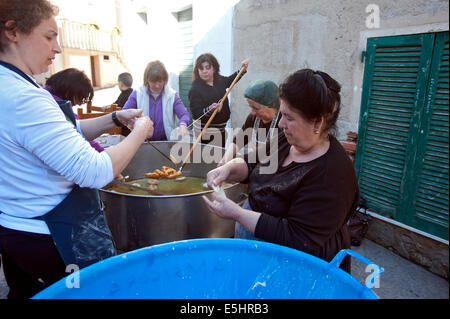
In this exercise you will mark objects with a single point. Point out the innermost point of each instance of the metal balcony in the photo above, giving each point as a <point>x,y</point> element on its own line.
<point>76,35</point>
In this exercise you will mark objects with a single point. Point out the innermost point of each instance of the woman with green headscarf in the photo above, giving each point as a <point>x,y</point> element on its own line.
<point>260,125</point>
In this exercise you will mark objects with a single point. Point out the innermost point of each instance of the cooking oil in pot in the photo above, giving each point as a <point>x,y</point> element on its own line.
<point>164,187</point>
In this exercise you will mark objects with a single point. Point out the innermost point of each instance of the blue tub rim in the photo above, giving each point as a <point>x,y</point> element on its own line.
<point>330,267</point>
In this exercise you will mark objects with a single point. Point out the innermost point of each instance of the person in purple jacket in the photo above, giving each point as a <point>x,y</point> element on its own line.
<point>72,85</point>
<point>161,103</point>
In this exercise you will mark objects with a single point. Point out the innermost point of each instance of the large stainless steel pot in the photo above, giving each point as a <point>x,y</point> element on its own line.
<point>138,221</point>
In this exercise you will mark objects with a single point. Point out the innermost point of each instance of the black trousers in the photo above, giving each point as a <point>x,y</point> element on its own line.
<point>31,262</point>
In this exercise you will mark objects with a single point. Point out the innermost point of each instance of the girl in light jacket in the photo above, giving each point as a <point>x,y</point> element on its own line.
<point>161,103</point>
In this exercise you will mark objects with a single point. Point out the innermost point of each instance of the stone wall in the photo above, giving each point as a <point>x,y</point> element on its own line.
<point>281,36</point>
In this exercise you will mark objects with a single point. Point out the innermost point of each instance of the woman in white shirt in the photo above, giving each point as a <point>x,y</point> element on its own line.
<point>50,212</point>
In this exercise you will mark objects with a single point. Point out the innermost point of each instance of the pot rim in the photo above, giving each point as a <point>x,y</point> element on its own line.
<point>165,196</point>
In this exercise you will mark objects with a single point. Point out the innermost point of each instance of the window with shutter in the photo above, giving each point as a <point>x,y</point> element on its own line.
<point>402,152</point>
<point>431,196</point>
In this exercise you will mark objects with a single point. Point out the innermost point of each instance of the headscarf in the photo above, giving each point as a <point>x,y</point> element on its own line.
<point>264,92</point>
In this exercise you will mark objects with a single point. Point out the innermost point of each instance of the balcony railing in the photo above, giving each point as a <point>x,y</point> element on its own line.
<point>83,36</point>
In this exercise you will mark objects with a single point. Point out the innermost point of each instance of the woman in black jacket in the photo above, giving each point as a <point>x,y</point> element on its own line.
<point>305,200</point>
<point>208,87</point>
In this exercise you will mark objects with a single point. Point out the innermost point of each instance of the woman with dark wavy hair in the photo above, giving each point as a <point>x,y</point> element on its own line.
<point>306,203</point>
<point>72,85</point>
<point>208,87</point>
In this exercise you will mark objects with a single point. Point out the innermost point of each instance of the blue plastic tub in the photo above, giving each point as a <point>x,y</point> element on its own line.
<point>213,268</point>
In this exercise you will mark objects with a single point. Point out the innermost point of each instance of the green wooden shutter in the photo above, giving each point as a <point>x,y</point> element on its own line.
<point>186,54</point>
<point>395,72</point>
<point>402,152</point>
<point>431,196</point>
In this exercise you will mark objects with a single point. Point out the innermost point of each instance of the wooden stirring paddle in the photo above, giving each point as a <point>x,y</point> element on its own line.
<point>211,118</point>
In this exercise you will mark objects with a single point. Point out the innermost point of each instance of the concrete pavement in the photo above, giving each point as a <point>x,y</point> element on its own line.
<point>401,279</point>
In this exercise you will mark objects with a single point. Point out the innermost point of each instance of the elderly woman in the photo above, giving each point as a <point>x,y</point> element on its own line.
<point>262,122</point>
<point>307,202</point>
<point>50,211</point>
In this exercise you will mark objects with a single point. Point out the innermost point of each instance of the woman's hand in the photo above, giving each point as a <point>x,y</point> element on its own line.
<point>214,106</point>
<point>245,63</point>
<point>223,207</point>
<point>222,162</point>
<point>120,178</point>
<point>122,153</point>
<point>217,176</point>
<point>128,117</point>
<point>145,124</point>
<point>227,209</point>
<point>94,127</point>
<point>134,119</point>
<point>183,130</point>
<point>235,170</point>
<point>179,132</point>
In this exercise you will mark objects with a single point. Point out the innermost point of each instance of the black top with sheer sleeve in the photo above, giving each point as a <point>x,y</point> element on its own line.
<point>306,206</point>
